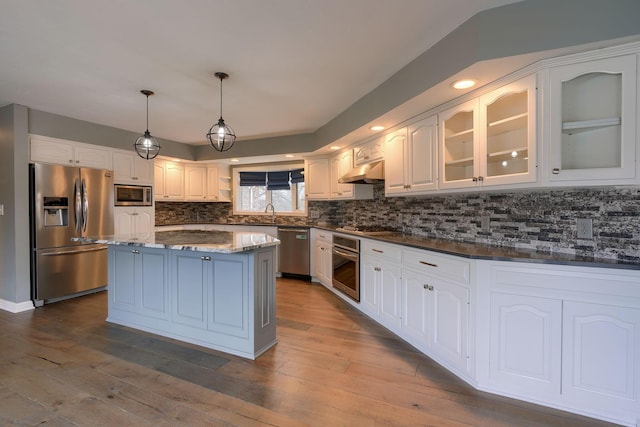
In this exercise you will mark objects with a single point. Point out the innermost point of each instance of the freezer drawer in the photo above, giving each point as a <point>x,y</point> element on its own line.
<point>294,250</point>
<point>68,270</point>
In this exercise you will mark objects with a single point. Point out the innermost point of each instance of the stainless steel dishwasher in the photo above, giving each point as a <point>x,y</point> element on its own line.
<point>294,250</point>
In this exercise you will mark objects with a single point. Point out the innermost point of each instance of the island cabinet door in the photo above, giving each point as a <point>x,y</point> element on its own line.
<point>228,298</point>
<point>138,280</point>
<point>191,277</point>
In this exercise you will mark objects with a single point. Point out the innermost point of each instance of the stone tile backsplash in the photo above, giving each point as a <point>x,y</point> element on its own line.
<point>542,220</point>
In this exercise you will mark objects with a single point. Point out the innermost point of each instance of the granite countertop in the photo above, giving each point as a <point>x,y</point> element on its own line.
<point>190,240</point>
<point>487,252</point>
<point>470,250</point>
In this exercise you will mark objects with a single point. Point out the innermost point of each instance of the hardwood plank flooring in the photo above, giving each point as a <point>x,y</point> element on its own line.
<point>63,365</point>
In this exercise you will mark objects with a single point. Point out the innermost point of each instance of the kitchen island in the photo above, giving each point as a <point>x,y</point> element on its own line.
<point>211,288</point>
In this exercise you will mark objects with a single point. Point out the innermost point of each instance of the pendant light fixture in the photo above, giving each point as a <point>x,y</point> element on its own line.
<point>221,136</point>
<point>146,145</point>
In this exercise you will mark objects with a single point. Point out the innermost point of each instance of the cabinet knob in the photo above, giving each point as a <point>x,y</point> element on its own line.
<point>135,251</point>
<point>205,258</point>
<point>134,177</point>
<point>474,179</point>
<point>427,287</point>
<point>555,171</point>
<point>377,269</point>
<point>481,178</point>
<point>70,161</point>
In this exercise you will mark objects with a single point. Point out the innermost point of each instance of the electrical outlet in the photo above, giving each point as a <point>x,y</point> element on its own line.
<point>585,228</point>
<point>485,223</point>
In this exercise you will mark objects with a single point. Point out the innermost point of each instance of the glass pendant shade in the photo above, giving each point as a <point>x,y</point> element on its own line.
<point>146,145</point>
<point>221,136</point>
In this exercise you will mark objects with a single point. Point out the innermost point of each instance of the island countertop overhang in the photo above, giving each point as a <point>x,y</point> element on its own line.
<point>215,241</point>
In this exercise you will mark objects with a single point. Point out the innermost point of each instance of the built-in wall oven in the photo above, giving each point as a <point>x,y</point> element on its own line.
<point>345,262</point>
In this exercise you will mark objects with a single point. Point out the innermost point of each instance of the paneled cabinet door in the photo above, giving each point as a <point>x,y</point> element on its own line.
<point>138,281</point>
<point>131,168</point>
<point>168,181</point>
<point>526,343</point>
<point>51,151</point>
<point>410,165</point>
<point>133,220</point>
<point>191,277</point>
<point>450,322</point>
<point>592,121</point>
<point>340,165</point>
<point>317,179</point>
<point>195,183</point>
<point>389,278</point>
<point>601,354</point>
<point>323,263</point>
<point>416,309</point>
<point>90,157</point>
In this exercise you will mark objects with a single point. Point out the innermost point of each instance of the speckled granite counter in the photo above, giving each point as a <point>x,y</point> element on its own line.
<point>191,240</point>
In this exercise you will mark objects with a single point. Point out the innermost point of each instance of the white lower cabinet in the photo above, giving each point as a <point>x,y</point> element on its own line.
<point>526,343</point>
<point>380,292</point>
<point>321,268</point>
<point>134,220</point>
<point>435,318</point>
<point>567,337</point>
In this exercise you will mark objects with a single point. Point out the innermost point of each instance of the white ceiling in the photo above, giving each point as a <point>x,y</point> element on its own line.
<point>293,64</point>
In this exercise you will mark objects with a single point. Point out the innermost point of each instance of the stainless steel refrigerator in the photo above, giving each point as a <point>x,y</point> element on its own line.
<point>68,202</point>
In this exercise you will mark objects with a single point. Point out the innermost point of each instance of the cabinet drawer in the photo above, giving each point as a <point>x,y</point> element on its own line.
<point>324,236</point>
<point>442,265</point>
<point>379,249</point>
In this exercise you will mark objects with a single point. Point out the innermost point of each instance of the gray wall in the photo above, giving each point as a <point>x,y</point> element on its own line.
<point>14,194</point>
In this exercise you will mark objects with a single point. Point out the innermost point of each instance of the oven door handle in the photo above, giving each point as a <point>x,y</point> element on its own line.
<point>347,255</point>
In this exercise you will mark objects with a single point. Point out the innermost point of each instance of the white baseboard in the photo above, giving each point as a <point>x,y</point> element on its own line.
<point>15,307</point>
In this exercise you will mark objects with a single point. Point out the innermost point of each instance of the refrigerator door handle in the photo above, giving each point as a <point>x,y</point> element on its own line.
<point>77,206</point>
<point>85,206</point>
<point>79,251</point>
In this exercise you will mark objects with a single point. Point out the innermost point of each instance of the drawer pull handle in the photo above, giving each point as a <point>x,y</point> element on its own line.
<point>377,250</point>
<point>205,258</point>
<point>555,171</point>
<point>428,263</point>
<point>428,287</point>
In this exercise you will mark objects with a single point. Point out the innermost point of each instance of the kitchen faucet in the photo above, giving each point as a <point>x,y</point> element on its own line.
<point>273,211</point>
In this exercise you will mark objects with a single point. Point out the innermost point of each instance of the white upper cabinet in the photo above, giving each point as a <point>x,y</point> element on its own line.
<point>410,165</point>
<point>316,179</point>
<point>592,122</point>
<point>70,153</point>
<point>369,152</point>
<point>490,140</point>
<point>341,164</point>
<point>195,178</point>
<point>168,182</point>
<point>131,168</point>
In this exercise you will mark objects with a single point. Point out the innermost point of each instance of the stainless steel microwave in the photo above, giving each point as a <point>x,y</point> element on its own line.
<point>133,195</point>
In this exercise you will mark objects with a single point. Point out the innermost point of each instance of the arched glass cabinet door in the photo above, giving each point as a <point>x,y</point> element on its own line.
<point>592,120</point>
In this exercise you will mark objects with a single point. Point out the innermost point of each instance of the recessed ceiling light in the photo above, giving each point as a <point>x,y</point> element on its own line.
<point>463,84</point>
<point>377,128</point>
<point>334,147</point>
<point>289,156</point>
<point>235,160</point>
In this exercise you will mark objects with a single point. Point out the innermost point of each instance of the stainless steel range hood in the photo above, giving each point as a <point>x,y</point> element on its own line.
<point>369,173</point>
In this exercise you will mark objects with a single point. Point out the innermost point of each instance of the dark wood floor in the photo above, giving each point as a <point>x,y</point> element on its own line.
<point>63,365</point>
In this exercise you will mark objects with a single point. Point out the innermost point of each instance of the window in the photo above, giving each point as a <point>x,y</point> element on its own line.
<point>281,185</point>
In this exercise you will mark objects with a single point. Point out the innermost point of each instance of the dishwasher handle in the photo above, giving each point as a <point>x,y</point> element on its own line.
<point>293,230</point>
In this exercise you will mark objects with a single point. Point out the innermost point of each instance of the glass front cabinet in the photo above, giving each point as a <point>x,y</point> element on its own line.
<point>490,140</point>
<point>591,126</point>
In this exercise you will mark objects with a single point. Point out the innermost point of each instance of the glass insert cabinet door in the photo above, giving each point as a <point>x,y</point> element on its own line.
<point>507,127</point>
<point>459,145</point>
<point>592,120</point>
